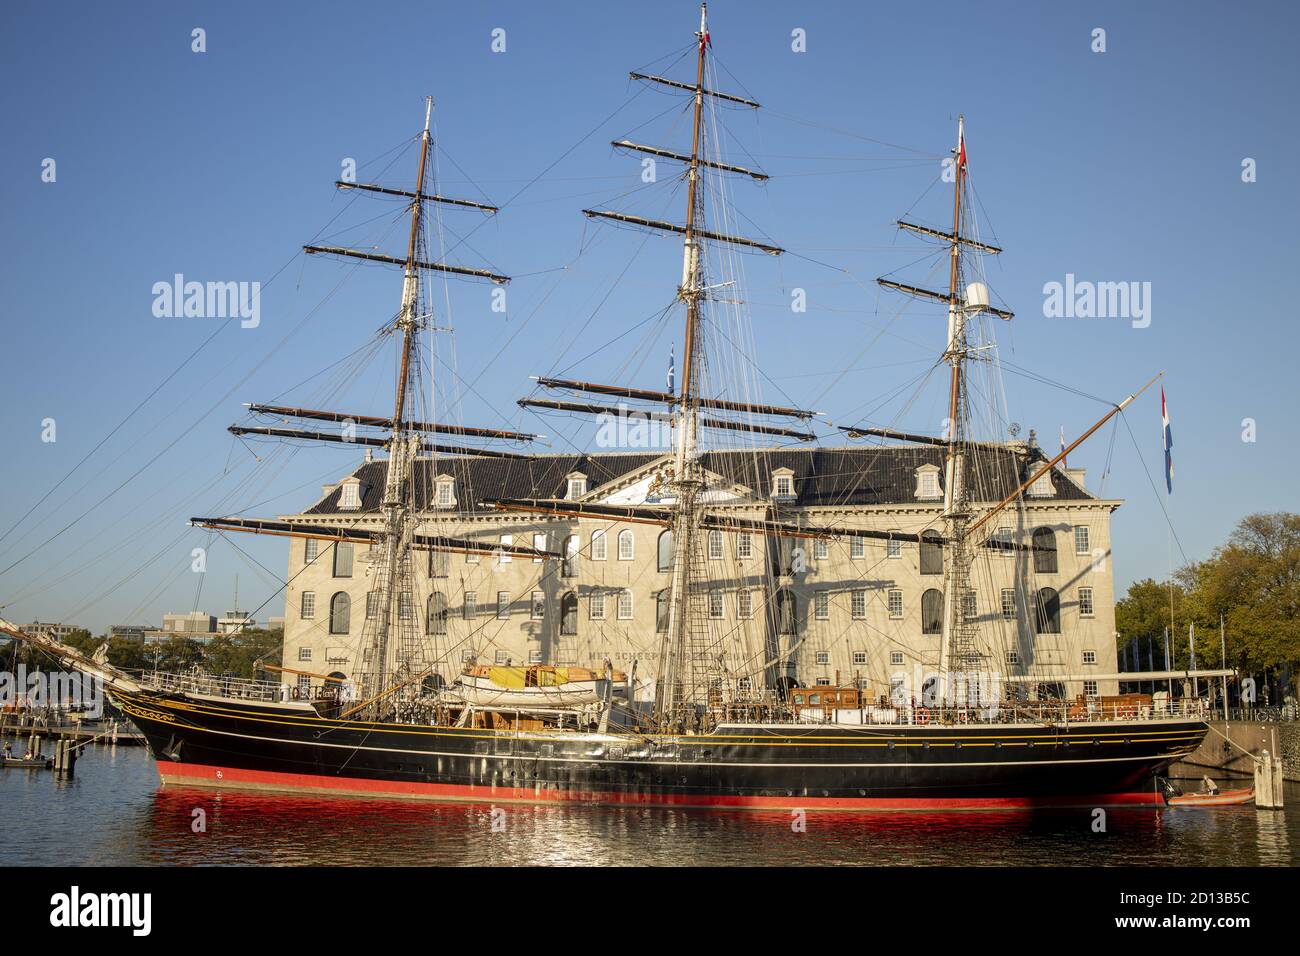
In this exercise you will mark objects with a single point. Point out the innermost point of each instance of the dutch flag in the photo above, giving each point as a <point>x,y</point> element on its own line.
<point>1169,443</point>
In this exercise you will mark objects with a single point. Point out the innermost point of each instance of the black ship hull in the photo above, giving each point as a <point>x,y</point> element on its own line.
<point>210,742</point>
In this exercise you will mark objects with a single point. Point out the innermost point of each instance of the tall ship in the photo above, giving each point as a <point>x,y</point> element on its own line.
<point>719,712</point>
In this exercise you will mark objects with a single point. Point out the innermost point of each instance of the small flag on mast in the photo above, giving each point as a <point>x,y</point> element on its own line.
<point>961,150</point>
<point>1064,463</point>
<point>672,367</point>
<point>1169,443</point>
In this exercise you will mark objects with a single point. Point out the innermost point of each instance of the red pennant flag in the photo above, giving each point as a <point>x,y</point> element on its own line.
<point>961,153</point>
<point>706,41</point>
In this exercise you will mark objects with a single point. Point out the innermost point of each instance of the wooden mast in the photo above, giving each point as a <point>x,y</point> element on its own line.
<point>671,699</point>
<point>956,565</point>
<point>401,448</point>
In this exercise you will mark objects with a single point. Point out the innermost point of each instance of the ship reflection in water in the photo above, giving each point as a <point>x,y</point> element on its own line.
<point>133,821</point>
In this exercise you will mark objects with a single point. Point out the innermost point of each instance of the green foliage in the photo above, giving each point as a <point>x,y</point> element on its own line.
<point>235,655</point>
<point>1253,581</point>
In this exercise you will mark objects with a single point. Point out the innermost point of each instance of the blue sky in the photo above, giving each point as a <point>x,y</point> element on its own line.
<point>1115,166</point>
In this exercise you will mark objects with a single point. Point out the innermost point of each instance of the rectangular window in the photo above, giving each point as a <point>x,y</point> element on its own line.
<point>446,498</point>
<point>470,607</point>
<point>539,544</point>
<point>784,486</point>
<point>439,564</point>
<point>1085,602</point>
<point>715,604</point>
<point>343,559</point>
<point>308,605</point>
<point>372,604</point>
<point>599,546</point>
<point>970,607</point>
<point>822,605</point>
<point>304,686</point>
<point>1090,657</point>
<point>507,541</point>
<point>894,548</point>
<point>1009,604</point>
<point>744,546</point>
<point>404,606</point>
<point>577,488</point>
<point>744,604</point>
<point>895,604</point>
<point>503,605</point>
<point>1090,688</point>
<point>501,657</point>
<point>823,657</point>
<point>1081,540</point>
<point>1013,657</point>
<point>534,657</point>
<point>625,605</point>
<point>859,658</point>
<point>821,549</point>
<point>304,653</point>
<point>858,605</point>
<point>1002,542</point>
<point>538,605</point>
<point>895,658</point>
<point>857,548</point>
<point>471,557</point>
<point>597,605</point>
<point>929,485</point>
<point>310,548</point>
<point>715,545</point>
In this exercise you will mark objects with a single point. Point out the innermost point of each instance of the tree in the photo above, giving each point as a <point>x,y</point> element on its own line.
<point>236,655</point>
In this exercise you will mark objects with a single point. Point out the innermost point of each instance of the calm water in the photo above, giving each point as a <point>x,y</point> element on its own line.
<point>115,812</point>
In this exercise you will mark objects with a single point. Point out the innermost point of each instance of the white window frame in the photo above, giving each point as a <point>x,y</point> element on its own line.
<point>503,605</point>
<point>310,550</point>
<point>540,542</point>
<point>1086,606</point>
<point>744,604</point>
<point>501,657</point>
<point>350,496</point>
<point>626,537</point>
<point>537,606</point>
<point>858,604</point>
<point>469,606</point>
<point>857,548</point>
<point>717,604</point>
<point>895,658</point>
<point>859,658</point>
<point>895,615</point>
<point>445,493</point>
<point>822,605</point>
<point>823,658</point>
<point>1008,608</point>
<point>624,608</point>
<point>307,606</point>
<point>717,546</point>
<point>505,541</point>
<point>596,606</point>
<point>1013,658</point>
<point>744,546</point>
<point>894,547</point>
<point>1081,533</point>
<point>304,654</point>
<point>599,545</point>
<point>1089,657</point>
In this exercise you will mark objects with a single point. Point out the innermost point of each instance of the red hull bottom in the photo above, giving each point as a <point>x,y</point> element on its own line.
<point>196,775</point>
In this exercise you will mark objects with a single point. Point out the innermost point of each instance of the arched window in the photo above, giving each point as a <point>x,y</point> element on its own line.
<point>786,611</point>
<point>436,618</point>
<point>1047,611</point>
<point>931,552</point>
<point>665,551</point>
<point>715,545</point>
<point>570,566</point>
<point>569,613</point>
<point>340,612</point>
<point>661,611</point>
<point>1044,551</point>
<point>625,545</point>
<point>932,611</point>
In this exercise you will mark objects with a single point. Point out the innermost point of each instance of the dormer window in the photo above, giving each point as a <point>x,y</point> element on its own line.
<point>927,483</point>
<point>783,483</point>
<point>445,492</point>
<point>577,486</point>
<point>350,495</point>
<point>1042,488</point>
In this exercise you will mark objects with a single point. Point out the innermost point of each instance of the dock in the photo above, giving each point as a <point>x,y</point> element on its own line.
<point>111,730</point>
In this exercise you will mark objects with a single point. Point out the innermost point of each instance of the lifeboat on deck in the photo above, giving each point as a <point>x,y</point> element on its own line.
<point>537,685</point>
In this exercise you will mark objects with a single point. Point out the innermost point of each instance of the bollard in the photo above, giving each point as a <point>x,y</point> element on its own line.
<point>1267,792</point>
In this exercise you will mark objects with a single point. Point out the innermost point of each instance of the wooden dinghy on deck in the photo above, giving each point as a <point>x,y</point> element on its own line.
<point>536,685</point>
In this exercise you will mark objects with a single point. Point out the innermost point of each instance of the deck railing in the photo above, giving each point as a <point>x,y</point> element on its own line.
<point>239,688</point>
<point>1005,713</point>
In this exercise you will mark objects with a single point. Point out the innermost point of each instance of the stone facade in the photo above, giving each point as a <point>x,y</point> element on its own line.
<point>782,608</point>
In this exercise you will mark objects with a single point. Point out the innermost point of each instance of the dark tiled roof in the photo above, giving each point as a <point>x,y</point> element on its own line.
<point>823,476</point>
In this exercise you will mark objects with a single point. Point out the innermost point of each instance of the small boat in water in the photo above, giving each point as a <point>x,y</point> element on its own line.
<point>30,763</point>
<point>1209,796</point>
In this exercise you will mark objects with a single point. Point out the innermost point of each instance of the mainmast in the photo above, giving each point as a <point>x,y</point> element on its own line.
<point>956,646</point>
<point>672,697</point>
<point>395,570</point>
